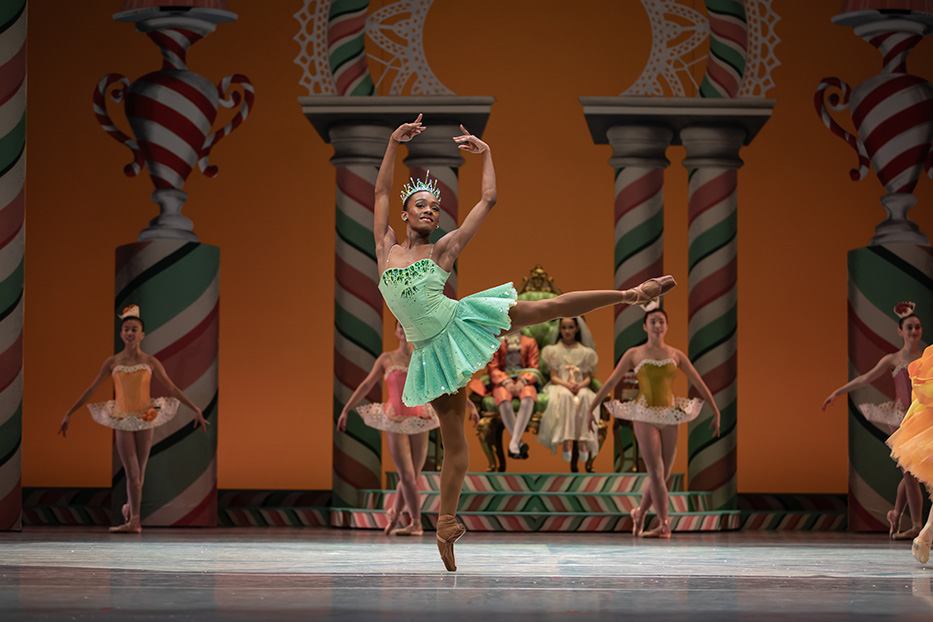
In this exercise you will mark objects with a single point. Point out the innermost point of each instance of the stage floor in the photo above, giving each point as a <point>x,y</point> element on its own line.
<point>324,574</point>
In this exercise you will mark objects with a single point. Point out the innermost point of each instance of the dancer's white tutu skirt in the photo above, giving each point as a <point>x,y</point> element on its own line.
<point>381,417</point>
<point>108,414</point>
<point>887,413</point>
<point>683,409</point>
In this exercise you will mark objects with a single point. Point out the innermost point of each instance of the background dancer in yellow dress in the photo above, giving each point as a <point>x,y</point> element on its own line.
<point>890,414</point>
<point>454,338</point>
<point>656,413</point>
<point>133,414</point>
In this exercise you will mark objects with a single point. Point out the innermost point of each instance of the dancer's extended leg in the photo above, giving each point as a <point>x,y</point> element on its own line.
<point>401,452</point>
<point>126,449</point>
<point>451,410</point>
<point>531,312</point>
<point>658,448</point>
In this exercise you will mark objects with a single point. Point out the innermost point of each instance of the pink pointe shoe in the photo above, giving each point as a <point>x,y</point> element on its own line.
<point>650,290</point>
<point>448,532</point>
<point>661,531</point>
<point>921,549</point>
<point>130,526</point>
<point>638,522</point>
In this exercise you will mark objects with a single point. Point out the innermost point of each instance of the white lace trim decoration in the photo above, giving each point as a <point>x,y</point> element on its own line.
<point>380,417</point>
<point>887,413</point>
<point>655,362</point>
<point>128,369</point>
<point>393,368</point>
<point>683,409</point>
<point>898,368</point>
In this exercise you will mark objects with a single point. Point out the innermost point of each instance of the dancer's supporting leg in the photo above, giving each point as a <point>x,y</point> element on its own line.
<point>401,452</point>
<point>133,449</point>
<point>451,410</point>
<point>525,408</point>
<point>921,546</point>
<point>658,448</point>
<point>909,488</point>
<point>419,453</point>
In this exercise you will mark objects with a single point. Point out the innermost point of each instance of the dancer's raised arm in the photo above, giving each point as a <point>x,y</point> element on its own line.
<point>865,379</point>
<point>449,247</point>
<point>384,234</point>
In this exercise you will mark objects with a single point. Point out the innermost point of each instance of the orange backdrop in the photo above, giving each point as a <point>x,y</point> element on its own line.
<point>271,211</point>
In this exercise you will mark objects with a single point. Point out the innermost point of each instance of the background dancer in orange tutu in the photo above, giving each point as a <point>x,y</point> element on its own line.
<point>912,444</point>
<point>890,414</point>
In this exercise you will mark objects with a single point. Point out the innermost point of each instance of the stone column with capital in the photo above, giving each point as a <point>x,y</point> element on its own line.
<point>638,157</point>
<point>434,151</point>
<point>358,151</point>
<point>713,162</point>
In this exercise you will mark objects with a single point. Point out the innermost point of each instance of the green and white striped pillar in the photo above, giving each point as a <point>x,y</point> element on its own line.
<point>638,157</point>
<point>713,162</point>
<point>358,151</point>
<point>13,17</point>
<point>176,284</point>
<point>879,277</point>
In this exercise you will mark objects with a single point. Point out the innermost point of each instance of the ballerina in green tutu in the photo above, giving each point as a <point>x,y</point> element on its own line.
<point>452,339</point>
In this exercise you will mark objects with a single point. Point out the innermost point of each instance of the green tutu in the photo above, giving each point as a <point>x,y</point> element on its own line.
<point>452,338</point>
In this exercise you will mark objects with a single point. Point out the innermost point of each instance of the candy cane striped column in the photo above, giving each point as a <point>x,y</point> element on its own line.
<point>639,162</point>
<point>346,52</point>
<point>358,151</point>
<point>728,48</point>
<point>13,17</point>
<point>713,161</point>
<point>176,285</point>
<point>879,277</point>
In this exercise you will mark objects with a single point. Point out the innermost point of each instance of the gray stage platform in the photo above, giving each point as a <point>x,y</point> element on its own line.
<point>326,574</point>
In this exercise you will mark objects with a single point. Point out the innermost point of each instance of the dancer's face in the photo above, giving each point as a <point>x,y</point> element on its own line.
<point>911,331</point>
<point>424,211</point>
<point>568,331</point>
<point>131,333</point>
<point>400,333</point>
<point>656,325</point>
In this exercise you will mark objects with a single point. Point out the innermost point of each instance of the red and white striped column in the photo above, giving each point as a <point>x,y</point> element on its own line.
<point>713,162</point>
<point>358,151</point>
<point>177,287</point>
<point>638,157</point>
<point>12,247</point>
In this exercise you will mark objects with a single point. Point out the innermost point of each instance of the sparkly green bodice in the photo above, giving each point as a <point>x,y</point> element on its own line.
<point>415,295</point>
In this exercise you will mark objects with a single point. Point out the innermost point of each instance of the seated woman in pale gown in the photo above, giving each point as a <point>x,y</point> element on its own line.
<point>572,363</point>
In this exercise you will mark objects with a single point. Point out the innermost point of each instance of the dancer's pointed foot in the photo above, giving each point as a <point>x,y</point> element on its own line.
<point>921,546</point>
<point>409,530</point>
<point>661,531</point>
<point>649,290</point>
<point>910,534</point>
<point>392,518</point>
<point>126,512</point>
<point>448,532</point>
<point>638,522</point>
<point>893,524</point>
<point>130,526</point>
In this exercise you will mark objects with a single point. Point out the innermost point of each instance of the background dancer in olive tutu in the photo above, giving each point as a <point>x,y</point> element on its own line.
<point>406,429</point>
<point>133,414</point>
<point>912,444</point>
<point>453,339</point>
<point>890,414</point>
<point>656,413</point>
